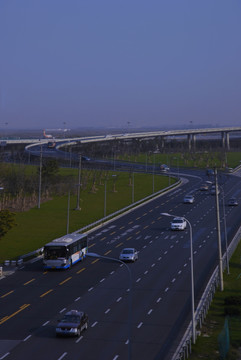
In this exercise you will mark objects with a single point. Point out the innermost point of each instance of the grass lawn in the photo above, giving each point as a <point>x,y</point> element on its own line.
<point>36,227</point>
<point>190,159</point>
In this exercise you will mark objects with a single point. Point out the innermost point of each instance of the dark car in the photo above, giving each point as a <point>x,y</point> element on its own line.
<point>209,172</point>
<point>72,324</point>
<point>233,201</point>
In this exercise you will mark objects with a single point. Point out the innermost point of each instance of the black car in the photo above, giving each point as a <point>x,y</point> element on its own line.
<point>72,324</point>
<point>233,201</point>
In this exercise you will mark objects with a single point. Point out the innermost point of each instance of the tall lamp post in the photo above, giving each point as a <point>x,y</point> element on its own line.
<point>94,255</point>
<point>192,277</point>
<point>220,259</point>
<point>40,176</point>
<point>153,174</point>
<point>225,230</point>
<point>176,158</point>
<point>79,184</point>
<point>105,200</point>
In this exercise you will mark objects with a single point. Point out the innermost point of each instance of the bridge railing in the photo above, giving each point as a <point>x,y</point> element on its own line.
<point>184,348</point>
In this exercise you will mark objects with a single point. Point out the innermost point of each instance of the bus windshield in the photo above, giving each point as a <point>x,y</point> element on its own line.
<point>55,252</point>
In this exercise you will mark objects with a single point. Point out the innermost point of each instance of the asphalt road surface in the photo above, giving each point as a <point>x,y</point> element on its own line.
<point>32,300</point>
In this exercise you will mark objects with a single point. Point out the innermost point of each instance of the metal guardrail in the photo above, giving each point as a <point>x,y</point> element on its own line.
<point>103,220</point>
<point>125,209</point>
<point>184,348</point>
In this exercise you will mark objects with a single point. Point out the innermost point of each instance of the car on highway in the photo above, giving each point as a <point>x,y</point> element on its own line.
<point>188,199</point>
<point>209,172</point>
<point>233,201</point>
<point>178,223</point>
<point>72,324</point>
<point>204,187</point>
<point>164,168</point>
<point>128,254</point>
<point>213,190</point>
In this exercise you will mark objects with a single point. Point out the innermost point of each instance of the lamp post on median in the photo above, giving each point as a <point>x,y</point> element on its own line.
<point>192,277</point>
<point>79,184</point>
<point>105,200</point>
<point>177,159</point>
<point>220,259</point>
<point>94,255</point>
<point>40,176</point>
<point>225,229</point>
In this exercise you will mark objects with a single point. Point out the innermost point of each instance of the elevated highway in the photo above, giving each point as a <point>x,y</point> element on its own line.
<point>189,133</point>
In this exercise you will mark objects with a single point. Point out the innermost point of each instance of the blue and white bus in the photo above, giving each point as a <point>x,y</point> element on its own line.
<point>65,251</point>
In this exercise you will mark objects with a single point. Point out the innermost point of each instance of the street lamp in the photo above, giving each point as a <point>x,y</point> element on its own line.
<point>192,277</point>
<point>225,229</point>
<point>176,158</point>
<point>94,255</point>
<point>105,200</point>
<point>79,184</point>
<point>40,176</point>
<point>218,233</point>
<point>153,174</point>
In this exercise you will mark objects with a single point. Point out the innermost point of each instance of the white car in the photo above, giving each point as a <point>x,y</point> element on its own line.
<point>164,168</point>
<point>188,199</point>
<point>178,223</point>
<point>128,254</point>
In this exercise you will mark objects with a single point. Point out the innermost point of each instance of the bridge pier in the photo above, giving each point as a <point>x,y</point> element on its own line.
<point>225,140</point>
<point>162,142</point>
<point>191,138</point>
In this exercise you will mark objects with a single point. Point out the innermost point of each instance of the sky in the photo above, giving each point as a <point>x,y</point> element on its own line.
<point>120,63</point>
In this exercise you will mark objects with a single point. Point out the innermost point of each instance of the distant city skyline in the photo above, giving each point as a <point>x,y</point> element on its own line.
<point>119,64</point>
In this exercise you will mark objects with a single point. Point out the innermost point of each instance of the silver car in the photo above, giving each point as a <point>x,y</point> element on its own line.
<point>188,199</point>
<point>128,254</point>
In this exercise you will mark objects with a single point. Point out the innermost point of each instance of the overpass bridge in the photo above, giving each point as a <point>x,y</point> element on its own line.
<point>191,135</point>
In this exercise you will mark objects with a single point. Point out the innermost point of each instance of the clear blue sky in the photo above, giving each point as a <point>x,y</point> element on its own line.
<point>172,63</point>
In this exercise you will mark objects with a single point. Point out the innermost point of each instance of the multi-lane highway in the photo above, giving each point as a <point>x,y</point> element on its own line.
<point>31,300</point>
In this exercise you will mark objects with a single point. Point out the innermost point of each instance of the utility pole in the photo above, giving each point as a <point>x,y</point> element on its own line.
<point>219,234</point>
<point>67,227</point>
<point>79,184</point>
<point>105,200</point>
<point>40,176</point>
<point>133,188</point>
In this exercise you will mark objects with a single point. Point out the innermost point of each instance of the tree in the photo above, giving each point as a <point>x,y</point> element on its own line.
<point>7,221</point>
